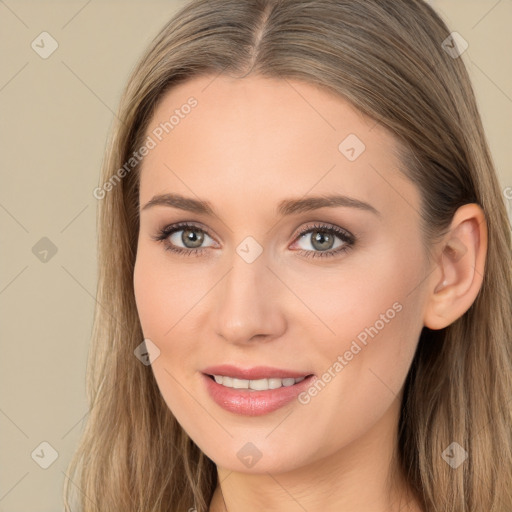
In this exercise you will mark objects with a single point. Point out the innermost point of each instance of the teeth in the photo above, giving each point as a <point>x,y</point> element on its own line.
<point>240,384</point>
<point>255,385</point>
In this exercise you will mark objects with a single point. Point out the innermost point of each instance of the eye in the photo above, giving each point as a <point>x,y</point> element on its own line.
<point>189,235</point>
<point>322,242</point>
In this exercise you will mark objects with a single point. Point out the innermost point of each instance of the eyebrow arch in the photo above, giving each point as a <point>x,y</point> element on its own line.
<point>285,207</point>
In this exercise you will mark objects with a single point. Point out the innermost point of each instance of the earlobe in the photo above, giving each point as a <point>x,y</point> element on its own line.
<point>458,276</point>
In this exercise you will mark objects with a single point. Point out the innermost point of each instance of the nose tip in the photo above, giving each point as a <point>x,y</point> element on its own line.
<point>248,303</point>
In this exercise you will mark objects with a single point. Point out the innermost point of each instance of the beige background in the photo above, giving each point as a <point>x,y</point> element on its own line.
<point>55,116</point>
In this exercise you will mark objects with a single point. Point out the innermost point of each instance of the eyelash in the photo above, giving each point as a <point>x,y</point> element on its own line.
<point>345,236</point>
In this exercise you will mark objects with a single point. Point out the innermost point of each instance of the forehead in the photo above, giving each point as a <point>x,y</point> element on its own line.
<point>257,140</point>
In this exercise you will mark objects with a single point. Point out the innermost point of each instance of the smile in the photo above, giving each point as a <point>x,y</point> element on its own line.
<point>254,397</point>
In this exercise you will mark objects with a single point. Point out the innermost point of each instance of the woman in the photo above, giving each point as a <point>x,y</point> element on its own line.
<point>304,283</point>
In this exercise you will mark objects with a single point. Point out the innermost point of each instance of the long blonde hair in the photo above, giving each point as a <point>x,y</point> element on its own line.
<point>390,60</point>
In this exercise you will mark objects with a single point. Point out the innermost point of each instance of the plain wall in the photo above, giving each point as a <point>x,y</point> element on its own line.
<point>55,117</point>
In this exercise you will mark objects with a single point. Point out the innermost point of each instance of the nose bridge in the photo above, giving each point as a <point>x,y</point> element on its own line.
<point>248,299</point>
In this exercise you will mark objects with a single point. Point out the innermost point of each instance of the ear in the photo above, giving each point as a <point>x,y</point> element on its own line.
<point>459,270</point>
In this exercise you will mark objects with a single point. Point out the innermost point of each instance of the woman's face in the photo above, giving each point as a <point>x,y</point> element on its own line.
<point>273,276</point>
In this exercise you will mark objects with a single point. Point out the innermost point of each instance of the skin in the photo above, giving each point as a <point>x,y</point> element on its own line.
<point>249,144</point>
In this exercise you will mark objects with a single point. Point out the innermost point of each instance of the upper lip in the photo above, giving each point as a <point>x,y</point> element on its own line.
<point>254,373</point>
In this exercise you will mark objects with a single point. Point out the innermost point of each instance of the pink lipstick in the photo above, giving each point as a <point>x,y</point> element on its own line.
<point>254,391</point>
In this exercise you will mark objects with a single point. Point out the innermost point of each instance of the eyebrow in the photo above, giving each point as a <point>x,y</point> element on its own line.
<point>285,207</point>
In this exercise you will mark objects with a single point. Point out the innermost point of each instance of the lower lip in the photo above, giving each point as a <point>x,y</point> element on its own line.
<point>254,403</point>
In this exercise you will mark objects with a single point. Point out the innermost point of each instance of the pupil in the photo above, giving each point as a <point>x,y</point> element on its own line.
<point>191,235</point>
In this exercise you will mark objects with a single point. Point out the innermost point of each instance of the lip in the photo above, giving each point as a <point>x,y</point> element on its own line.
<point>254,403</point>
<point>255,373</point>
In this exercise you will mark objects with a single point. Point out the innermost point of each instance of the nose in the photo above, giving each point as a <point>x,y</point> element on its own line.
<point>250,302</point>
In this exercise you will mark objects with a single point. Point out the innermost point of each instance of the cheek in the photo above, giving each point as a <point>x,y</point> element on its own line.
<point>373,314</point>
<point>149,297</point>
<point>163,294</point>
<point>370,299</point>
<point>163,299</point>
<point>168,298</point>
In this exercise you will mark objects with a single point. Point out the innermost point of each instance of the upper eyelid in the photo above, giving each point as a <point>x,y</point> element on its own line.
<point>170,229</point>
<point>325,225</point>
<point>183,225</point>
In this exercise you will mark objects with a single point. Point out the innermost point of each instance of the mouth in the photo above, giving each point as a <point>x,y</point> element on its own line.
<point>256,391</point>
